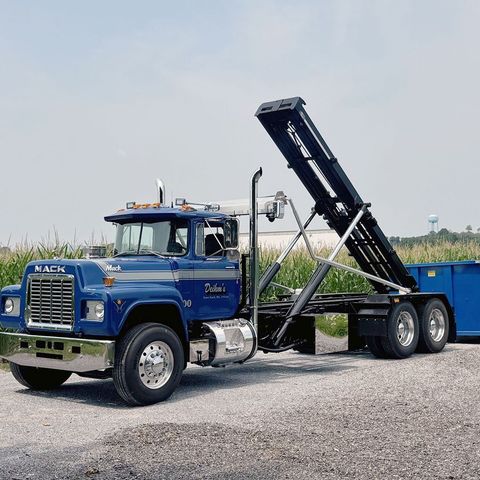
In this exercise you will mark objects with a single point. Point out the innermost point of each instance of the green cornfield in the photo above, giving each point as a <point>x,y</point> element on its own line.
<point>13,263</point>
<point>298,267</point>
<point>295,272</point>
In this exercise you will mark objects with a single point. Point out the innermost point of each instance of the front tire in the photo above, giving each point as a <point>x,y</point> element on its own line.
<point>39,378</point>
<point>402,331</point>
<point>434,327</point>
<point>148,364</point>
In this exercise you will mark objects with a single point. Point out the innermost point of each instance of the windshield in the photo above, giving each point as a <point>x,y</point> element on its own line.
<point>169,238</point>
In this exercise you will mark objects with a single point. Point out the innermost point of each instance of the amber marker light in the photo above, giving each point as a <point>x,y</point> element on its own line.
<point>108,281</point>
<point>186,208</point>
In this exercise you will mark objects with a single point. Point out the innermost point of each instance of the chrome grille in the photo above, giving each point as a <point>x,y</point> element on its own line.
<point>50,301</point>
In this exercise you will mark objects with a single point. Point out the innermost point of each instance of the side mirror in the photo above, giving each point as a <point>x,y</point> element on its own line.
<point>231,233</point>
<point>276,209</point>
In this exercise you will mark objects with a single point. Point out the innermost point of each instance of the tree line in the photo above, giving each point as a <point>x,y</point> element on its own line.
<point>443,235</point>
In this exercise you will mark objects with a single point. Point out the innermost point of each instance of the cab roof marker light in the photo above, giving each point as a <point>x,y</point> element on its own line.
<point>136,206</point>
<point>187,208</point>
<point>146,205</point>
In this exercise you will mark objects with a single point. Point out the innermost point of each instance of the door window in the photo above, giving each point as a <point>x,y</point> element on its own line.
<point>210,239</point>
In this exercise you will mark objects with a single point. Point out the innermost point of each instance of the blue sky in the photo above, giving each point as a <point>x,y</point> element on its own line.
<point>99,98</point>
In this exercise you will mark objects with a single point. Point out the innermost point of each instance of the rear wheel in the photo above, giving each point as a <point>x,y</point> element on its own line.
<point>434,327</point>
<point>402,331</point>
<point>375,346</point>
<point>148,365</point>
<point>39,378</point>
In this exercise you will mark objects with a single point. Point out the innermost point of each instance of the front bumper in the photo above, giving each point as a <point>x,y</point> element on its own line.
<point>59,353</point>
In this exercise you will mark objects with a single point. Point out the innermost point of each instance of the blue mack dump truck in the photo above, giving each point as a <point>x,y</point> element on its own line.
<point>177,290</point>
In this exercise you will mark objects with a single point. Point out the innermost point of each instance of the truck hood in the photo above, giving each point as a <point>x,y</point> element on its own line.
<point>91,272</point>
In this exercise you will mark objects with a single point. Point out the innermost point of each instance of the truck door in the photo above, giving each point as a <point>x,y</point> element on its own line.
<point>216,274</point>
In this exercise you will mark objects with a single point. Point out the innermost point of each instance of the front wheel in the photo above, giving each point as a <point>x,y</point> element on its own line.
<point>148,365</point>
<point>39,378</point>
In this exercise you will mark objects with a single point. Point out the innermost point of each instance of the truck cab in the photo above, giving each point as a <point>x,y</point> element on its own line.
<point>174,269</point>
<point>193,252</point>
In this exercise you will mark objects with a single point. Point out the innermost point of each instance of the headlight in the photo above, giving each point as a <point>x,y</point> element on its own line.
<point>9,305</point>
<point>99,310</point>
<point>95,310</point>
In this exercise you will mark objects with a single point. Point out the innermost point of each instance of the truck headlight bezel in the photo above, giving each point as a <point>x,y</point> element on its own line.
<point>11,306</point>
<point>95,310</point>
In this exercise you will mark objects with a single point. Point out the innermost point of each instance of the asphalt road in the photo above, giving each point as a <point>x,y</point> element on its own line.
<point>279,416</point>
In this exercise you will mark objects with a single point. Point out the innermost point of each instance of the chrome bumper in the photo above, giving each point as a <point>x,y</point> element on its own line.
<point>71,354</point>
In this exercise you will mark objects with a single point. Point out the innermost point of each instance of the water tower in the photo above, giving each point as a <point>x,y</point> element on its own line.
<point>433,222</point>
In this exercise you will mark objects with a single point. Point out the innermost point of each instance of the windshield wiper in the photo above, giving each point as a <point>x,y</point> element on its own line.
<point>150,252</point>
<point>140,252</point>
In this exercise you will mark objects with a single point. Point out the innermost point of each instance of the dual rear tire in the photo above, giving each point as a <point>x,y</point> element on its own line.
<point>435,327</point>
<point>409,331</point>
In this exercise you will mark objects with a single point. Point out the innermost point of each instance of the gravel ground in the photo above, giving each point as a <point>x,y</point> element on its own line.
<point>279,416</point>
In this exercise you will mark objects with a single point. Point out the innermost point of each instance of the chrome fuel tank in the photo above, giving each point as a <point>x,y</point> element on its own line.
<point>224,342</point>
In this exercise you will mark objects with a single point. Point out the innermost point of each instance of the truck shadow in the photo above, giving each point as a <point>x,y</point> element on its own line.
<point>471,340</point>
<point>196,381</point>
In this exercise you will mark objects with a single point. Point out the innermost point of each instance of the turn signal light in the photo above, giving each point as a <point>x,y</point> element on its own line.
<point>108,281</point>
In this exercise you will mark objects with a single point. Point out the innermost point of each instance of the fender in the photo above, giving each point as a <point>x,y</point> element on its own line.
<point>11,289</point>
<point>153,295</point>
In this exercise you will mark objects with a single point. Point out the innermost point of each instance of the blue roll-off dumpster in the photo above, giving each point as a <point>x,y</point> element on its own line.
<point>460,281</point>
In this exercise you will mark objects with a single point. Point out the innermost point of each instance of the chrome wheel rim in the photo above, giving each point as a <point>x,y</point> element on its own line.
<point>405,328</point>
<point>436,325</point>
<point>155,365</point>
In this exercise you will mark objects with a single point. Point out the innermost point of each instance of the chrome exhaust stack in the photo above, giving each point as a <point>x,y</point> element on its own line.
<point>160,191</point>
<point>253,296</point>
